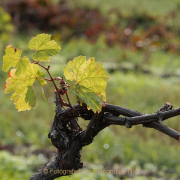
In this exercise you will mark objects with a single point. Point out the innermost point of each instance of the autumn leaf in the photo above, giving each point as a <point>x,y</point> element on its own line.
<point>12,58</point>
<point>22,86</point>
<point>88,81</point>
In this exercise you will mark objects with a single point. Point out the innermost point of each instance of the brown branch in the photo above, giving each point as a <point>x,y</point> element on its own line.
<point>164,129</point>
<point>144,118</point>
<point>150,120</point>
<point>58,78</point>
<point>69,139</point>
<point>52,79</point>
<point>119,110</point>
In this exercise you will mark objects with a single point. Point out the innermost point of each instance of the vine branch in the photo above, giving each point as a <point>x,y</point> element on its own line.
<point>69,138</point>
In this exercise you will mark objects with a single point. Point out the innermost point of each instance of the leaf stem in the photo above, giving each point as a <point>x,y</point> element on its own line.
<point>58,78</point>
<point>52,79</point>
<point>71,105</point>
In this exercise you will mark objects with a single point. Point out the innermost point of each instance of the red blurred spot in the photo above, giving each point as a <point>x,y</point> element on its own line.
<point>89,32</point>
<point>10,74</point>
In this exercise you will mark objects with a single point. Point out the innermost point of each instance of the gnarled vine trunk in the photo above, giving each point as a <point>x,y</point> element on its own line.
<point>69,138</point>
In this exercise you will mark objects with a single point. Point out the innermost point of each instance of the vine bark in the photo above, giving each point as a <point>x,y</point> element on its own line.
<point>68,137</point>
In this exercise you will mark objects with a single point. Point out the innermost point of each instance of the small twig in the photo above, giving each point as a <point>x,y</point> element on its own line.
<point>57,90</point>
<point>58,78</point>
<point>52,79</point>
<point>167,106</point>
<point>47,69</point>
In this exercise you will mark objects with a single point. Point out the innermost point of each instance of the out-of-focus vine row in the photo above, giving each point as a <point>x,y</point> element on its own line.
<point>137,32</point>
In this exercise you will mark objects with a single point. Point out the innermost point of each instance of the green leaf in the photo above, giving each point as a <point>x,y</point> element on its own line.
<point>12,58</point>
<point>22,87</point>
<point>44,47</point>
<point>40,75</point>
<point>30,97</point>
<point>88,81</point>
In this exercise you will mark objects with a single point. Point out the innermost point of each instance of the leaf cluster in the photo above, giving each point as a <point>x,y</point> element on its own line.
<point>87,79</point>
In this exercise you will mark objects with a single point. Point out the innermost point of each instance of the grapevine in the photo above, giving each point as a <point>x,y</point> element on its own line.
<point>87,81</point>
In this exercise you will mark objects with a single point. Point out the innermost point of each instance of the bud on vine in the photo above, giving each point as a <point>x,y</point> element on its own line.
<point>63,87</point>
<point>62,81</point>
<point>62,91</point>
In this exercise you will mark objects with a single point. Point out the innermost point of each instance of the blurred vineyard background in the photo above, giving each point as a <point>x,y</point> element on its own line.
<point>138,42</point>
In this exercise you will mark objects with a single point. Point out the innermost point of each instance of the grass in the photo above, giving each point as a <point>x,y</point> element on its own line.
<point>161,7</point>
<point>15,167</point>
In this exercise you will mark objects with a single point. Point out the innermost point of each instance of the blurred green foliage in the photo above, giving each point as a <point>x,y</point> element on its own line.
<point>66,20</point>
<point>14,167</point>
<point>140,80</point>
<point>161,7</point>
<point>6,26</point>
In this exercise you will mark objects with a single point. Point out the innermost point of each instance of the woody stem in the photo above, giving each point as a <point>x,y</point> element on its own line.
<point>52,79</point>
